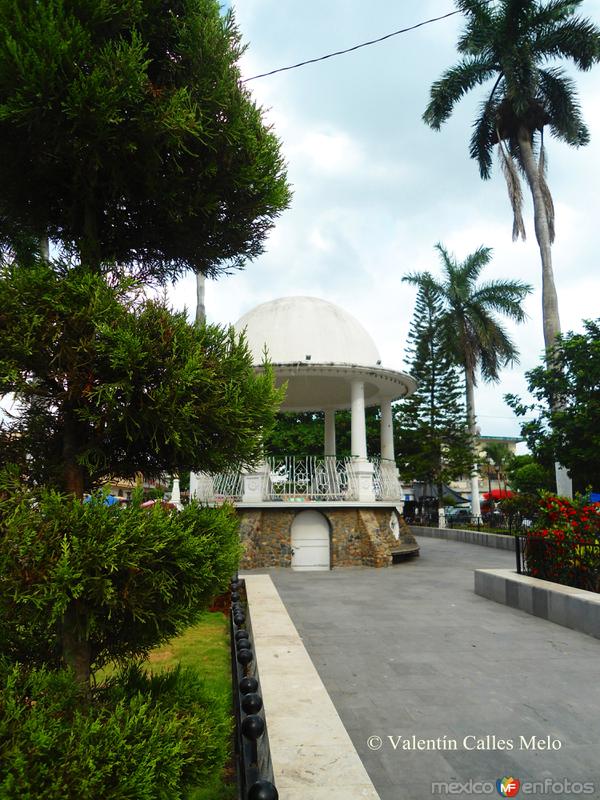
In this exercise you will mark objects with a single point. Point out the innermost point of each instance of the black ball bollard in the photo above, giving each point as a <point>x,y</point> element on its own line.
<point>235,596</point>
<point>243,644</point>
<point>252,703</point>
<point>241,634</point>
<point>253,727</point>
<point>263,790</point>
<point>248,685</point>
<point>244,657</point>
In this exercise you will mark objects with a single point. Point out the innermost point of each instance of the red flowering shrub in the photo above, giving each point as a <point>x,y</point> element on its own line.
<point>564,545</point>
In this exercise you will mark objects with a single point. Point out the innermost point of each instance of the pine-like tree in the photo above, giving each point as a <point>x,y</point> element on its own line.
<point>433,443</point>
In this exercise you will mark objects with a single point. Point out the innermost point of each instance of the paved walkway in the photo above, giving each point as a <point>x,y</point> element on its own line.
<point>411,651</point>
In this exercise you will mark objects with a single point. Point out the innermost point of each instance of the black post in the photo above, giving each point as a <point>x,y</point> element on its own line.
<point>518,552</point>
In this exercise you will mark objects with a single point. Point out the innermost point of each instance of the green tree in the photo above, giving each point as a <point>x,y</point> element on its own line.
<point>111,384</point>
<point>528,476</point>
<point>126,136</point>
<point>434,445</point>
<point>510,43</point>
<point>473,335</point>
<point>129,143</point>
<point>303,433</point>
<point>84,583</point>
<point>499,454</point>
<point>566,406</point>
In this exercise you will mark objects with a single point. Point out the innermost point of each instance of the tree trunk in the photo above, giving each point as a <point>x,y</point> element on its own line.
<point>72,471</point>
<point>542,234</point>
<point>470,384</point>
<point>75,647</point>
<point>200,309</point>
<point>551,318</point>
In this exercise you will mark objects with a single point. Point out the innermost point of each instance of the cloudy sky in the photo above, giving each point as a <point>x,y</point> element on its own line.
<point>375,189</point>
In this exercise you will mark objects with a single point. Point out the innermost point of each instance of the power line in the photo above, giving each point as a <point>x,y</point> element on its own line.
<point>351,49</point>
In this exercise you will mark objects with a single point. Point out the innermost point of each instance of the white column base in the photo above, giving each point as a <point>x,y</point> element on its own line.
<point>441,518</point>
<point>362,471</point>
<point>255,484</point>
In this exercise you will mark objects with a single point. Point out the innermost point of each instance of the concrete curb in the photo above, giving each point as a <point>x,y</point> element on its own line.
<point>563,605</point>
<point>312,753</point>
<point>498,540</point>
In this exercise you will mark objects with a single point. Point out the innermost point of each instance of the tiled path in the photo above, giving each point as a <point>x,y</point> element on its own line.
<point>412,651</point>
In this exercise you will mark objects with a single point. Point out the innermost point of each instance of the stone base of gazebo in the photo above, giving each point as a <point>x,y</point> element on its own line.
<point>359,535</point>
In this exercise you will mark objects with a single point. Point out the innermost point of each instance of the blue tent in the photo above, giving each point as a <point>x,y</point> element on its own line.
<point>109,500</point>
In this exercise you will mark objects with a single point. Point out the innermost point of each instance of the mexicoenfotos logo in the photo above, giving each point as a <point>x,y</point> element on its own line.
<point>508,787</point>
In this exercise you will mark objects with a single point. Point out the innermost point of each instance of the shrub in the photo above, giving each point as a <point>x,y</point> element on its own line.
<point>89,583</point>
<point>140,737</point>
<point>564,545</point>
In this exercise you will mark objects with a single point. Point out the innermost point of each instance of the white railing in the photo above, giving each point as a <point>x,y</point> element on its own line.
<point>385,479</point>
<point>228,485</point>
<point>309,478</point>
<point>303,478</point>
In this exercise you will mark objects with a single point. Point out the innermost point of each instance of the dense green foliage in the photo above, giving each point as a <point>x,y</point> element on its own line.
<point>126,135</point>
<point>566,406</point>
<point>143,738</point>
<point>509,45</point>
<point>111,383</point>
<point>526,474</point>
<point>304,433</point>
<point>434,445</point>
<point>104,582</point>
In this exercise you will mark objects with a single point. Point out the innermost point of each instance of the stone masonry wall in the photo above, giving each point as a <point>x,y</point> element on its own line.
<point>359,536</point>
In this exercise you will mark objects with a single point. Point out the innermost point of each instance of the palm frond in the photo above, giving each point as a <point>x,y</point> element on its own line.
<point>484,130</point>
<point>558,94</point>
<point>547,197</point>
<point>504,297</point>
<point>553,11</point>
<point>515,192</point>
<point>479,29</point>
<point>577,39</point>
<point>473,264</point>
<point>451,87</point>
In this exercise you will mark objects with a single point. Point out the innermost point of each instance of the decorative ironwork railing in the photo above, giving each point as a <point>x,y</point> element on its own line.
<point>299,478</point>
<point>228,485</point>
<point>385,479</point>
<point>310,478</point>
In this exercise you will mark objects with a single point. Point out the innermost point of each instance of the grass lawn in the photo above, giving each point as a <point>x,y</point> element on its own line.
<point>206,648</point>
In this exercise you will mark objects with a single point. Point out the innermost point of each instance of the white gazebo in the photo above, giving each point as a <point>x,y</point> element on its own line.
<point>329,363</point>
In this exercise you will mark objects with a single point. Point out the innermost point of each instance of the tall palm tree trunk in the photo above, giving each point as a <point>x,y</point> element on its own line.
<point>200,309</point>
<point>551,318</point>
<point>470,385</point>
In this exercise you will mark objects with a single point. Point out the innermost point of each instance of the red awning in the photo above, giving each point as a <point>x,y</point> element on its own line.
<point>497,494</point>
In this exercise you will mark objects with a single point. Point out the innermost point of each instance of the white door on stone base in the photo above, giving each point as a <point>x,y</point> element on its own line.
<point>310,542</point>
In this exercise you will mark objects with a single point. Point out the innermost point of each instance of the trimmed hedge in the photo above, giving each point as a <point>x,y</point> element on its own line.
<point>141,737</point>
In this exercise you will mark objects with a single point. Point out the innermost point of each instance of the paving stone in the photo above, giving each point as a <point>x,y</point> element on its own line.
<point>412,650</point>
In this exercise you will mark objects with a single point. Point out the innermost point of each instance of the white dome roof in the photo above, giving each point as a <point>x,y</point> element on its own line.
<point>292,328</point>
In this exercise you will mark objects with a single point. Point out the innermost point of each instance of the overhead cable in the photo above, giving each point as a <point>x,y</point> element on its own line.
<point>351,49</point>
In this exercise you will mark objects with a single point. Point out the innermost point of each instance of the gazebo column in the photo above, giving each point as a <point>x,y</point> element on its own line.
<point>391,487</point>
<point>330,433</point>
<point>387,430</point>
<point>358,443</point>
<point>362,467</point>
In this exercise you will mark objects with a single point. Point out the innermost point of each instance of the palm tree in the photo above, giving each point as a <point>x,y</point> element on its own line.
<point>510,43</point>
<point>475,337</point>
<point>499,455</point>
